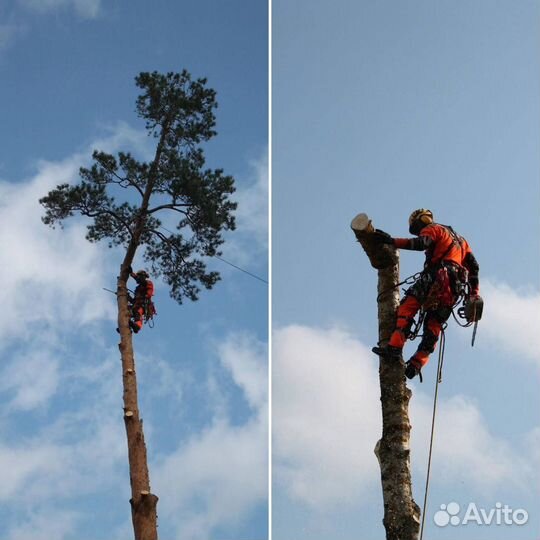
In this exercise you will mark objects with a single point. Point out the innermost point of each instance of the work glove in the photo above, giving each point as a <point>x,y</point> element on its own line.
<point>382,237</point>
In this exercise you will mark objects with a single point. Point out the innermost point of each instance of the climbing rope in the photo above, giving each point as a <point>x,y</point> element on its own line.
<point>438,381</point>
<point>226,262</point>
<point>407,281</point>
<point>114,292</point>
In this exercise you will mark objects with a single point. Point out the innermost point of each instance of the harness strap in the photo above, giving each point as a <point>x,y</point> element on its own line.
<point>457,241</point>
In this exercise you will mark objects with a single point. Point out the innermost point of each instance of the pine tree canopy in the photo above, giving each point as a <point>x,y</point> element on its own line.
<point>126,199</point>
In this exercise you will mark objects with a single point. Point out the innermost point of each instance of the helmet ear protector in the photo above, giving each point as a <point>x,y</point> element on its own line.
<point>143,274</point>
<point>419,219</point>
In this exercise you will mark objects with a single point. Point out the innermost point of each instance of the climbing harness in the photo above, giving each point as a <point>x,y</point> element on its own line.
<point>149,309</point>
<point>437,382</point>
<point>471,306</point>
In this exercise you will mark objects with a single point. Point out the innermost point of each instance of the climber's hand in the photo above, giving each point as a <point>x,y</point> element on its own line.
<point>382,237</point>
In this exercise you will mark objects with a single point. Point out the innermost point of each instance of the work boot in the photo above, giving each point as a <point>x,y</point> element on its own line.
<point>412,370</point>
<point>133,327</point>
<point>118,329</point>
<point>388,351</point>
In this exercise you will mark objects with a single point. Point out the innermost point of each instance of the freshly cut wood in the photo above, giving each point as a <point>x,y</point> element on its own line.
<point>362,224</point>
<point>380,256</point>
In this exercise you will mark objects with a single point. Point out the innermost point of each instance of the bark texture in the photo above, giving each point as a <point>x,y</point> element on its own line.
<point>143,502</point>
<point>401,513</point>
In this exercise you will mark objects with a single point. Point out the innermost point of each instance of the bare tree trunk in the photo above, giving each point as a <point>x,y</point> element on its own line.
<point>401,513</point>
<point>143,502</point>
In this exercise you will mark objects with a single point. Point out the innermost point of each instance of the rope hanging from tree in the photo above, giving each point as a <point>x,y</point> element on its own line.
<point>438,381</point>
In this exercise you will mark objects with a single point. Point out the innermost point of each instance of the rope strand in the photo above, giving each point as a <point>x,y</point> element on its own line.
<point>438,381</point>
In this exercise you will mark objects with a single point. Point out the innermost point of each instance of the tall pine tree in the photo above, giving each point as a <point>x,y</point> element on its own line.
<point>126,199</point>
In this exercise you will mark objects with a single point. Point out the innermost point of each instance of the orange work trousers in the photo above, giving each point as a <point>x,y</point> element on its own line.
<point>433,324</point>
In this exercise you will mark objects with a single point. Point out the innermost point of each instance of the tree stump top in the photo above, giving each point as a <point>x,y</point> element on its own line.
<point>380,255</point>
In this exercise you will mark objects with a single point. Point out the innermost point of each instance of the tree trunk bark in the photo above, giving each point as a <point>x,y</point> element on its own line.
<point>143,502</point>
<point>401,513</point>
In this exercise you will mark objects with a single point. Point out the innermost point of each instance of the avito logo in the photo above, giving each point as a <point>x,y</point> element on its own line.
<point>500,515</point>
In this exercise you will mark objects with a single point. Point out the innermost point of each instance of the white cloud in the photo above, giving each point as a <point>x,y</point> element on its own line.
<point>50,277</point>
<point>532,444</point>
<point>465,448</point>
<point>8,33</point>
<point>252,213</point>
<point>20,466</point>
<point>237,356</point>
<point>221,473</point>
<point>511,319</point>
<point>53,277</point>
<point>87,9</point>
<point>250,239</point>
<point>82,454</point>
<point>30,379</point>
<point>326,415</point>
<point>52,293</point>
<point>326,421</point>
<point>215,479</point>
<point>120,136</point>
<point>51,289</point>
<point>77,453</point>
<point>44,525</point>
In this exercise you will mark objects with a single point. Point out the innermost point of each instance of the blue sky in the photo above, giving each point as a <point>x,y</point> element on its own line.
<point>68,69</point>
<point>385,107</point>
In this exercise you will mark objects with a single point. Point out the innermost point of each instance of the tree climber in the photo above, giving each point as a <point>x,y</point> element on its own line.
<point>449,265</point>
<point>141,303</point>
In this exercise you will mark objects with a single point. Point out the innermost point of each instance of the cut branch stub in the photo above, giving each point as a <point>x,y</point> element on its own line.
<point>143,509</point>
<point>380,256</point>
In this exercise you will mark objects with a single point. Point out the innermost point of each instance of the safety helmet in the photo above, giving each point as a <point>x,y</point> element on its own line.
<point>142,274</point>
<point>419,219</point>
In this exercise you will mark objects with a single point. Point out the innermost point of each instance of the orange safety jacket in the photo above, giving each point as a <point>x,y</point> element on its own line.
<point>143,291</point>
<point>442,244</point>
